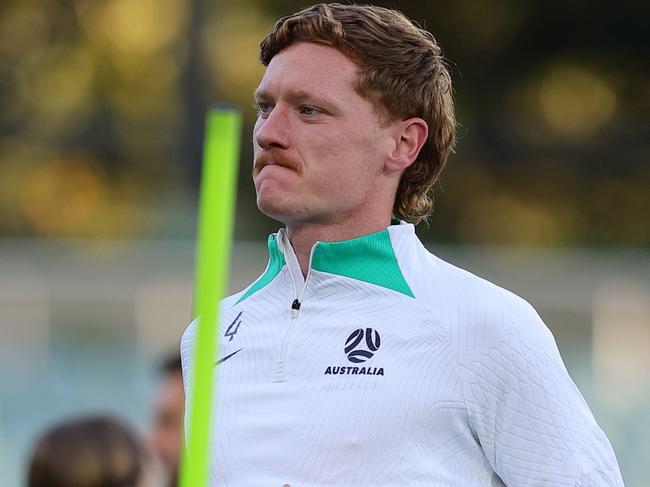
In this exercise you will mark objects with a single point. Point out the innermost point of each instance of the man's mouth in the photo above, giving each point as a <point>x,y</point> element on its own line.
<point>265,160</point>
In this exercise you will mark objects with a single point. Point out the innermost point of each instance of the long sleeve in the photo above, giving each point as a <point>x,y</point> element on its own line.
<point>529,417</point>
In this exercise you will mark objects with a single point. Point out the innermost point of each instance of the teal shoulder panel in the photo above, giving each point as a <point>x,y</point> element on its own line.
<point>276,263</point>
<point>369,258</point>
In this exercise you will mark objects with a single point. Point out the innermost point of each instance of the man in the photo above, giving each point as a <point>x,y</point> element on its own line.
<point>358,358</point>
<point>167,431</point>
<point>90,451</point>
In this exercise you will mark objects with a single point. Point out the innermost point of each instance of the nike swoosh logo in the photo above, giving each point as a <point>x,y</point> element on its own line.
<point>226,357</point>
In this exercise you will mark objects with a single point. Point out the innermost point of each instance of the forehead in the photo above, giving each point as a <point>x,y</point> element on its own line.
<point>312,67</point>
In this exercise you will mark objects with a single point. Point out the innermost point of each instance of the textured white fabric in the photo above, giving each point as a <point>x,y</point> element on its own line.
<point>472,390</point>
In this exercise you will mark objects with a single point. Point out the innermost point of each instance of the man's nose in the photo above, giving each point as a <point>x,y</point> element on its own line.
<point>273,131</point>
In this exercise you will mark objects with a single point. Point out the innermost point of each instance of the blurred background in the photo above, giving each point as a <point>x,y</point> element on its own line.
<point>101,122</point>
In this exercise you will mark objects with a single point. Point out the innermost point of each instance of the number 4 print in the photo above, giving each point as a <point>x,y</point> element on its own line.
<point>234,326</point>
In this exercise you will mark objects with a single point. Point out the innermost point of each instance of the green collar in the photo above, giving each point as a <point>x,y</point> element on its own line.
<point>369,258</point>
<point>275,265</point>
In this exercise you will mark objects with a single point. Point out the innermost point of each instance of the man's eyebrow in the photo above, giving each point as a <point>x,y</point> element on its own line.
<point>300,96</point>
<point>261,95</point>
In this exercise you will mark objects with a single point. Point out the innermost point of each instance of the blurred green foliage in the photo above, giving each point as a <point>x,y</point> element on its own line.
<point>102,104</point>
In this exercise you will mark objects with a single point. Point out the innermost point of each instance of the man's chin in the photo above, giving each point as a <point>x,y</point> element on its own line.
<point>276,208</point>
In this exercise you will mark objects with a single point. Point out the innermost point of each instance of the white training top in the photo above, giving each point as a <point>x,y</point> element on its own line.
<point>394,368</point>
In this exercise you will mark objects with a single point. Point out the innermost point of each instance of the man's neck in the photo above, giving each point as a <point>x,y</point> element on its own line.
<point>304,236</point>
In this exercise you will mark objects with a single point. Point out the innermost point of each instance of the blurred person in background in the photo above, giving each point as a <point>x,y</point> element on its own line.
<point>167,430</point>
<point>358,357</point>
<point>92,451</point>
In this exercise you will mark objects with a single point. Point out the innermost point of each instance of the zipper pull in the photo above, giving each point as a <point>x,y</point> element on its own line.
<point>295,308</point>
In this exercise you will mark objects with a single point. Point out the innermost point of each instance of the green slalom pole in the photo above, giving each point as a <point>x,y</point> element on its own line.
<point>214,239</point>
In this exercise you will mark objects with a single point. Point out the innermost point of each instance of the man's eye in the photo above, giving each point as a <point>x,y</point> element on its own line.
<point>263,108</point>
<point>309,111</point>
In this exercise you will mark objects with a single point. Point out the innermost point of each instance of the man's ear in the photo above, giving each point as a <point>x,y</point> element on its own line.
<point>410,136</point>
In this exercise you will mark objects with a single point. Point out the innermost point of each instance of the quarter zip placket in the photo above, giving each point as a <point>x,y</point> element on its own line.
<point>280,374</point>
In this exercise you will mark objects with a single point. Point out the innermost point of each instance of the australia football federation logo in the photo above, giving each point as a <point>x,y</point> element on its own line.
<point>362,345</point>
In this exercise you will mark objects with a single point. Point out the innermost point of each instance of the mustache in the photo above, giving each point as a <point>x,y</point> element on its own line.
<point>267,159</point>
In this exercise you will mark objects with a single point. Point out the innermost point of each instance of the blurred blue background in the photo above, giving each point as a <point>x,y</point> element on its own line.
<point>101,122</point>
